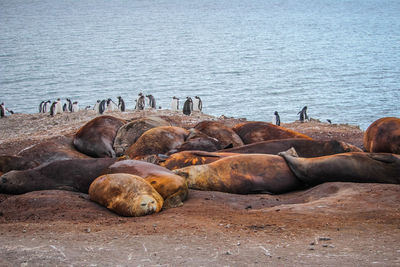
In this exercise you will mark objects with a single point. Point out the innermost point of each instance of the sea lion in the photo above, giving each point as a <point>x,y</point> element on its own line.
<point>171,187</point>
<point>304,147</point>
<point>346,167</point>
<point>242,174</point>
<point>130,132</point>
<point>195,157</point>
<point>158,140</point>
<point>383,135</point>
<point>224,134</point>
<point>96,137</point>
<point>71,175</point>
<point>257,131</point>
<point>125,194</point>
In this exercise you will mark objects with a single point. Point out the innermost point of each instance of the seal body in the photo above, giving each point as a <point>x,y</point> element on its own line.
<point>383,135</point>
<point>195,157</point>
<point>217,130</point>
<point>72,175</point>
<point>96,137</point>
<point>130,132</point>
<point>257,131</point>
<point>158,140</point>
<point>171,187</point>
<point>346,167</point>
<point>242,174</point>
<point>125,194</point>
<point>304,147</point>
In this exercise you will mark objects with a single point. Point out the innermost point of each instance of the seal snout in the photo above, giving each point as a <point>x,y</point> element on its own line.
<point>4,180</point>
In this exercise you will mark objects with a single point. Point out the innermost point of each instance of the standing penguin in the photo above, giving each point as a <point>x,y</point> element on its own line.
<point>188,106</point>
<point>102,107</point>
<point>175,104</point>
<point>152,101</point>
<point>59,107</point>
<point>111,106</point>
<point>53,109</point>
<point>46,106</point>
<point>2,110</point>
<point>303,114</point>
<point>197,104</point>
<point>97,106</point>
<point>41,106</point>
<point>75,107</point>
<point>276,120</point>
<point>65,107</point>
<point>121,104</point>
<point>69,108</point>
<point>140,103</point>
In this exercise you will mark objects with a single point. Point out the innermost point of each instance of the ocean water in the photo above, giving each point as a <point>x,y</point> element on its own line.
<point>341,58</point>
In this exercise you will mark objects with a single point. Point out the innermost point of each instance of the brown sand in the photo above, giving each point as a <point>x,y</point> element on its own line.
<point>333,224</point>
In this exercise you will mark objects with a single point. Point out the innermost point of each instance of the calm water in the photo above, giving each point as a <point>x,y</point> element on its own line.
<point>243,58</point>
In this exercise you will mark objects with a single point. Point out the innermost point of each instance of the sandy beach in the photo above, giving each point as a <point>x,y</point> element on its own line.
<point>330,224</point>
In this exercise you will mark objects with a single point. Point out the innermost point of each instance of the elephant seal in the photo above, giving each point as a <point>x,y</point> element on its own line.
<point>130,132</point>
<point>125,194</point>
<point>383,135</point>
<point>257,131</point>
<point>242,174</point>
<point>195,157</point>
<point>96,137</point>
<point>158,140</point>
<point>72,175</point>
<point>224,134</point>
<point>171,187</point>
<point>346,167</point>
<point>9,163</point>
<point>304,147</point>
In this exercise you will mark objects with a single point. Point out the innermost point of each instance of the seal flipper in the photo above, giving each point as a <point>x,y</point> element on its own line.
<point>295,165</point>
<point>384,157</point>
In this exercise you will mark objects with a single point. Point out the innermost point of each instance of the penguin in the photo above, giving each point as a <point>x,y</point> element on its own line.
<point>75,107</point>
<point>65,107</point>
<point>59,107</point>
<point>96,106</point>
<point>140,102</point>
<point>303,114</point>
<point>197,104</point>
<point>277,119</point>
<point>152,101</point>
<point>69,105</point>
<point>53,109</point>
<point>2,110</point>
<point>188,106</point>
<point>328,120</point>
<point>121,104</point>
<point>41,106</point>
<point>46,106</point>
<point>111,106</point>
<point>102,107</point>
<point>175,104</point>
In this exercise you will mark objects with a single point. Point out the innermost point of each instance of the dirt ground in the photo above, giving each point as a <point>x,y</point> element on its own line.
<point>333,224</point>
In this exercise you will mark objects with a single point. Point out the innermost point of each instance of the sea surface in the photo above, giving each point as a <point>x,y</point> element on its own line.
<point>244,58</point>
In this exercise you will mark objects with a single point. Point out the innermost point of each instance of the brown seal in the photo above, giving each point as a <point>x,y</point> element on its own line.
<point>195,157</point>
<point>224,134</point>
<point>125,194</point>
<point>9,163</point>
<point>242,174</point>
<point>158,140</point>
<point>130,132</point>
<point>72,175</point>
<point>171,187</point>
<point>383,135</point>
<point>257,131</point>
<point>96,137</point>
<point>304,147</point>
<point>345,167</point>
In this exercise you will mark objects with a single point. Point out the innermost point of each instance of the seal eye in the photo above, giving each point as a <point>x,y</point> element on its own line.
<point>143,204</point>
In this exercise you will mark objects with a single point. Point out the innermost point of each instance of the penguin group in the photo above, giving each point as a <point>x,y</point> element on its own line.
<point>303,117</point>
<point>56,107</point>
<point>189,106</point>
